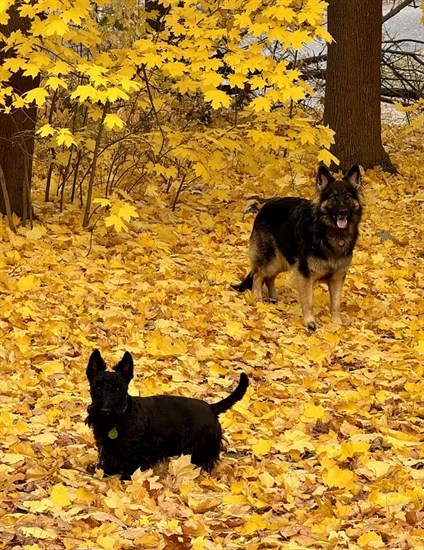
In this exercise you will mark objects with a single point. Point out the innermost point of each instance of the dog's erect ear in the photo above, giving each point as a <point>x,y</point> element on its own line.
<point>95,364</point>
<point>324,177</point>
<point>353,176</point>
<point>125,366</point>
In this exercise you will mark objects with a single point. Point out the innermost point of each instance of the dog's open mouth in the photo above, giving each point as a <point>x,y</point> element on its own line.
<point>342,222</point>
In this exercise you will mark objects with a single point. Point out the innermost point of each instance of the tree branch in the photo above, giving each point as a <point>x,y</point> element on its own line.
<point>396,10</point>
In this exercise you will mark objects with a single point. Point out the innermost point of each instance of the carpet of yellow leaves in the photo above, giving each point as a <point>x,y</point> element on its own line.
<point>325,451</point>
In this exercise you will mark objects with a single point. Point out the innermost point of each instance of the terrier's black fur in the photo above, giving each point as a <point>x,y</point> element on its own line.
<point>137,432</point>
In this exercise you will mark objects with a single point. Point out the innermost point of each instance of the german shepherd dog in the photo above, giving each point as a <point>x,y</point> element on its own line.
<point>314,238</point>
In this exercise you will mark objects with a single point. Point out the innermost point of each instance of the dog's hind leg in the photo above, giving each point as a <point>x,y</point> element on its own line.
<point>335,285</point>
<point>206,450</point>
<point>305,286</point>
<point>272,291</point>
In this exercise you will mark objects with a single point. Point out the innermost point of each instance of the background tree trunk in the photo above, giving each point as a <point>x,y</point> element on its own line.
<point>17,133</point>
<point>353,83</point>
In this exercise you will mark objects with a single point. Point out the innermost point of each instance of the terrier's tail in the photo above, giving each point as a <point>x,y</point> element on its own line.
<point>237,394</point>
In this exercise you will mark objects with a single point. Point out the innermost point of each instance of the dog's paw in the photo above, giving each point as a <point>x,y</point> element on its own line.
<point>311,326</point>
<point>340,321</point>
<point>91,468</point>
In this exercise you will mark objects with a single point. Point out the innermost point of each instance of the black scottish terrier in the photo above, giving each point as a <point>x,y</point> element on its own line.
<point>137,432</point>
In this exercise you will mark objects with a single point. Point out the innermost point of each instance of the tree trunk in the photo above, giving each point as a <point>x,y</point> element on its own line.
<point>17,132</point>
<point>353,83</point>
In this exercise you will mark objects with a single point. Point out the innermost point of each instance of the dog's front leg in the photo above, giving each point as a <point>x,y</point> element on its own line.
<point>305,287</point>
<point>258,281</point>
<point>335,285</point>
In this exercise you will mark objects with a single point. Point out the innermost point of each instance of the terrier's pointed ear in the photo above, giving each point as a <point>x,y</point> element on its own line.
<point>95,365</point>
<point>125,367</point>
<point>324,177</point>
<point>353,176</point>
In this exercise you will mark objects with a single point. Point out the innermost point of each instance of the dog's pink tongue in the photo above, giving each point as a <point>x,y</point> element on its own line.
<point>342,223</point>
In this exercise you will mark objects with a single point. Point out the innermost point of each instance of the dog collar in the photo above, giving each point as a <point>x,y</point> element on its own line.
<point>113,433</point>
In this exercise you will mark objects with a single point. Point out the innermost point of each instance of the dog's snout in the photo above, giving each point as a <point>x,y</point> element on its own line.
<point>105,411</point>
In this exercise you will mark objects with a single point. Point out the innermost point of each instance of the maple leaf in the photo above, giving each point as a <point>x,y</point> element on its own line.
<point>327,158</point>
<point>38,532</point>
<point>31,70</point>
<point>217,98</point>
<point>371,539</point>
<point>116,222</point>
<point>28,282</point>
<point>175,69</point>
<point>13,64</point>
<point>127,211</point>
<point>129,85</point>
<point>339,477</point>
<point>4,15</point>
<point>103,202</point>
<point>253,524</point>
<point>113,121</point>
<point>56,25</point>
<point>182,469</point>
<point>115,93</point>
<point>54,83</point>
<point>237,79</point>
<point>65,137</point>
<point>261,103</point>
<point>298,38</point>
<point>60,495</point>
<point>36,95</point>
<point>46,130</point>
<point>261,447</point>
<point>85,91</point>
<point>74,14</point>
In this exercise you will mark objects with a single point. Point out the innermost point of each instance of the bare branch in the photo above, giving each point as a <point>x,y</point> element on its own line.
<point>397,9</point>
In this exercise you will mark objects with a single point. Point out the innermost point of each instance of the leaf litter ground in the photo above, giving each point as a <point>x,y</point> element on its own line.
<point>325,451</point>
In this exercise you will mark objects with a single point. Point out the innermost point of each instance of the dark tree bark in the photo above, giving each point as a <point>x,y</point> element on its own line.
<point>158,12</point>
<point>353,83</point>
<point>17,130</point>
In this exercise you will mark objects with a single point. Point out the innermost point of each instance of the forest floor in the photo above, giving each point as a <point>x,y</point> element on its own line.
<point>326,450</point>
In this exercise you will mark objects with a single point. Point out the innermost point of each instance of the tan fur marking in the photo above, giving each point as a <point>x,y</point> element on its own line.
<point>265,273</point>
<point>305,288</point>
<point>335,285</point>
<point>272,291</point>
<point>258,281</point>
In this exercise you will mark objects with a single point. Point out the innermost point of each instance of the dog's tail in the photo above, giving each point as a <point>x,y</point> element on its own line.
<point>246,284</point>
<point>237,394</point>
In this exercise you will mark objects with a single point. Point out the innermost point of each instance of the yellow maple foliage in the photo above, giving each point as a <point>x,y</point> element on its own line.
<point>325,450</point>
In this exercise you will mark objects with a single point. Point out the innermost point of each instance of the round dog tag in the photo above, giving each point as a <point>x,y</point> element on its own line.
<point>113,434</point>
